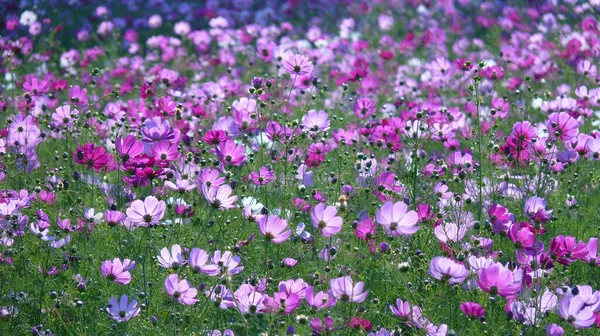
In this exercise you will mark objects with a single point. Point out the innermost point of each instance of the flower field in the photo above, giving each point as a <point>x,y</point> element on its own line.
<point>385,167</point>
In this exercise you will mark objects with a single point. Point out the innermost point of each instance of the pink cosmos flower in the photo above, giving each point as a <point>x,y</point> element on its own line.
<point>174,259</point>
<point>472,309</point>
<point>297,65</point>
<point>64,116</point>
<point>78,95</point>
<point>593,147</point>
<point>263,177</point>
<point>364,108</point>
<point>35,86</point>
<point>219,198</point>
<point>230,153</point>
<point>500,217</point>
<point>365,229</point>
<point>401,309</point>
<point>274,229</point>
<point>317,325</point>
<point>325,219</point>
<point>164,152</point>
<point>123,310</point>
<point>522,234</point>
<point>117,271</point>
<point>211,178</point>
<point>289,262</point>
<point>199,261</point>
<point>147,212</point>
<point>320,300</point>
<point>566,250</point>
<point>592,253</point>
<point>445,269</point>
<point>345,290</point>
<point>496,279</point>
<point>181,290</point>
<point>397,220</point>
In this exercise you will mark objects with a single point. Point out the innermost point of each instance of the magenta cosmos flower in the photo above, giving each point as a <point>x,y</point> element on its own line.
<point>445,269</point>
<point>274,229</point>
<point>147,212</point>
<point>128,147</point>
<point>181,290</point>
<point>562,126</point>
<point>298,65</point>
<point>397,220</point>
<point>496,279</point>
<point>117,271</point>
<point>93,156</point>
<point>345,290</point>
<point>472,309</point>
<point>123,310</point>
<point>325,219</point>
<point>231,153</point>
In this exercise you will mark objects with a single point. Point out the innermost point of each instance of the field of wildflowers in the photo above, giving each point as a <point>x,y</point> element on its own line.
<point>322,167</point>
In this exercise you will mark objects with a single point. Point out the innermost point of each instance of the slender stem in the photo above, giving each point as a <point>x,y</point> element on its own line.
<point>479,152</point>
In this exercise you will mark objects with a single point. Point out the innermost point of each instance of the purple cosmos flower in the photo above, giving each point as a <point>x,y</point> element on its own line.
<point>535,209</point>
<point>289,262</point>
<point>397,220</point>
<point>573,309</point>
<point>199,261</point>
<point>345,290</point>
<point>315,121</point>
<point>147,212</point>
<point>554,330</point>
<point>325,219</point>
<point>274,229</point>
<point>249,300</point>
<point>227,262</point>
<point>445,269</point>
<point>123,310</point>
<point>181,290</point>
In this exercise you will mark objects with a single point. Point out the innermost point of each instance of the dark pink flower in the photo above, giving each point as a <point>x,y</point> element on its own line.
<point>472,309</point>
